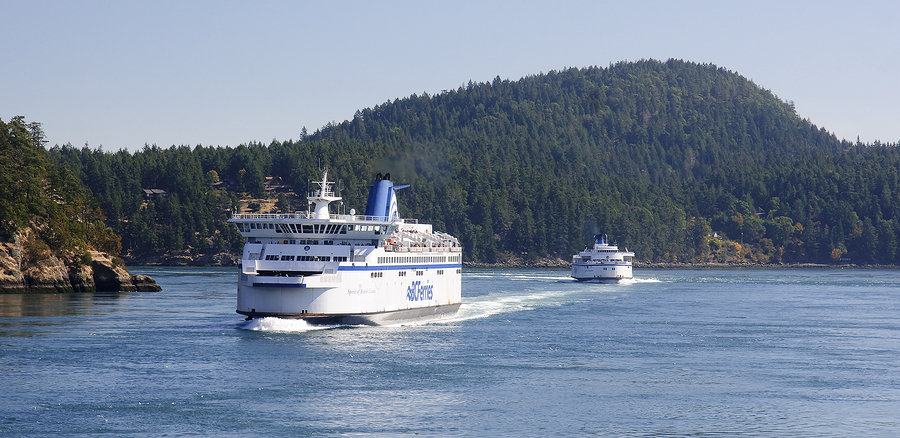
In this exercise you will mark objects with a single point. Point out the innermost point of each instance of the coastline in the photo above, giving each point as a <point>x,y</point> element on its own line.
<point>227,259</point>
<point>675,266</point>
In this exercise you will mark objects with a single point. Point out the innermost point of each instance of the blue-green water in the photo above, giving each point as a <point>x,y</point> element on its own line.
<point>787,352</point>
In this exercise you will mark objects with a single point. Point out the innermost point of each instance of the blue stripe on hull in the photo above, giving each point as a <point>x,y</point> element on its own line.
<point>278,285</point>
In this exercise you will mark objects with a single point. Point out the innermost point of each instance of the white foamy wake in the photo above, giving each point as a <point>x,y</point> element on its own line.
<point>271,324</point>
<point>638,280</point>
<point>489,306</point>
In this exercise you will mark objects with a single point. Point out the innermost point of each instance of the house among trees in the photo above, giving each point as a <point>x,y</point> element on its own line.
<point>274,184</point>
<point>151,193</point>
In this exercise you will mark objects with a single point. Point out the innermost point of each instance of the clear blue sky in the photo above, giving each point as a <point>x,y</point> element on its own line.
<point>124,73</point>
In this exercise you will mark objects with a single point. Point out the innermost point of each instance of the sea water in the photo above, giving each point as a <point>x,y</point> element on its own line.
<point>781,352</point>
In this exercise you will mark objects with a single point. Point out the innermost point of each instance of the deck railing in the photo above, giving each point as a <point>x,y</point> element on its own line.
<point>310,215</point>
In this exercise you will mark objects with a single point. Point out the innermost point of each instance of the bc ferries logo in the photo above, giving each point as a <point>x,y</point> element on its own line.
<point>420,292</point>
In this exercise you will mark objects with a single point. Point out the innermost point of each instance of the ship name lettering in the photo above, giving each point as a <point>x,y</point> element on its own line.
<point>420,292</point>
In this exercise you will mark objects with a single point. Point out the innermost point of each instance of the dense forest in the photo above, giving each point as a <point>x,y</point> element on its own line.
<point>44,208</point>
<point>678,161</point>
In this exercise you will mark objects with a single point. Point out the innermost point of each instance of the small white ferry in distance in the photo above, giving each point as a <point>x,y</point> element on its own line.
<point>602,262</point>
<point>327,268</point>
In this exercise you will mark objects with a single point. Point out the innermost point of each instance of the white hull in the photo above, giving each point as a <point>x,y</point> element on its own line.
<point>352,296</point>
<point>601,272</point>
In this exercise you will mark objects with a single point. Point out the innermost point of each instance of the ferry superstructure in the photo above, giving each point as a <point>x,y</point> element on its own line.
<point>602,262</point>
<point>329,268</point>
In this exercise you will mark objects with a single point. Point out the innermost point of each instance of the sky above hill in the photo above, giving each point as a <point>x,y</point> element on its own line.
<point>122,74</point>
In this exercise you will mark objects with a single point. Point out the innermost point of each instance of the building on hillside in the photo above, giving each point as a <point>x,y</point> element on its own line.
<point>152,193</point>
<point>275,184</point>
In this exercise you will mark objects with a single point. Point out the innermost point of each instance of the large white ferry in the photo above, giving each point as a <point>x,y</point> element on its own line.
<point>602,262</point>
<point>331,268</point>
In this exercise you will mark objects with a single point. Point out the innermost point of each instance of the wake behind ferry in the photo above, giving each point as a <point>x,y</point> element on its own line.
<point>602,262</point>
<point>327,268</point>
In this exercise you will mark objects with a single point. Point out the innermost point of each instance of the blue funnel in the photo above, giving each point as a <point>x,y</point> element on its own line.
<point>382,202</point>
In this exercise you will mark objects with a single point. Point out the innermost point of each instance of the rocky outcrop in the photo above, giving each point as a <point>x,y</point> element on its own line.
<point>52,273</point>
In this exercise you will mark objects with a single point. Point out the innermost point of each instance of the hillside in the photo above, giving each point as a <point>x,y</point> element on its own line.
<point>52,237</point>
<point>680,162</point>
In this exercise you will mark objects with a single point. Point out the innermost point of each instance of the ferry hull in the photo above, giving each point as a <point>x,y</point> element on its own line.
<point>601,272</point>
<point>352,297</point>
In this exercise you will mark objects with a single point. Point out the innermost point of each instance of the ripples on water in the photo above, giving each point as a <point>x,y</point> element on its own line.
<point>785,352</point>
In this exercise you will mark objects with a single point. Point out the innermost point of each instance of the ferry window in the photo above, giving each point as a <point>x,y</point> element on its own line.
<point>440,272</point>
<point>307,228</point>
<point>328,242</point>
<point>402,274</point>
<point>420,273</point>
<point>343,229</point>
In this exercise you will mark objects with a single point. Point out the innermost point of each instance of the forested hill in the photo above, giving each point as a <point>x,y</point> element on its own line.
<point>52,237</point>
<point>680,162</point>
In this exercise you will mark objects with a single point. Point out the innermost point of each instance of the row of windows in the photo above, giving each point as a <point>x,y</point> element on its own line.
<point>290,258</point>
<point>419,259</point>
<point>310,228</point>
<point>316,242</point>
<point>403,273</point>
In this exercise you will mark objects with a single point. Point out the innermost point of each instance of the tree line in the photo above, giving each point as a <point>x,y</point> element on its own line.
<point>44,208</point>
<point>679,161</point>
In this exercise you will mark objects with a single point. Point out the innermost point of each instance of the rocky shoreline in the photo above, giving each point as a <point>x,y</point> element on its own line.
<point>97,272</point>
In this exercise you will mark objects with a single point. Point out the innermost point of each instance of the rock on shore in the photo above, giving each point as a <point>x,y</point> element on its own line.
<point>52,273</point>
